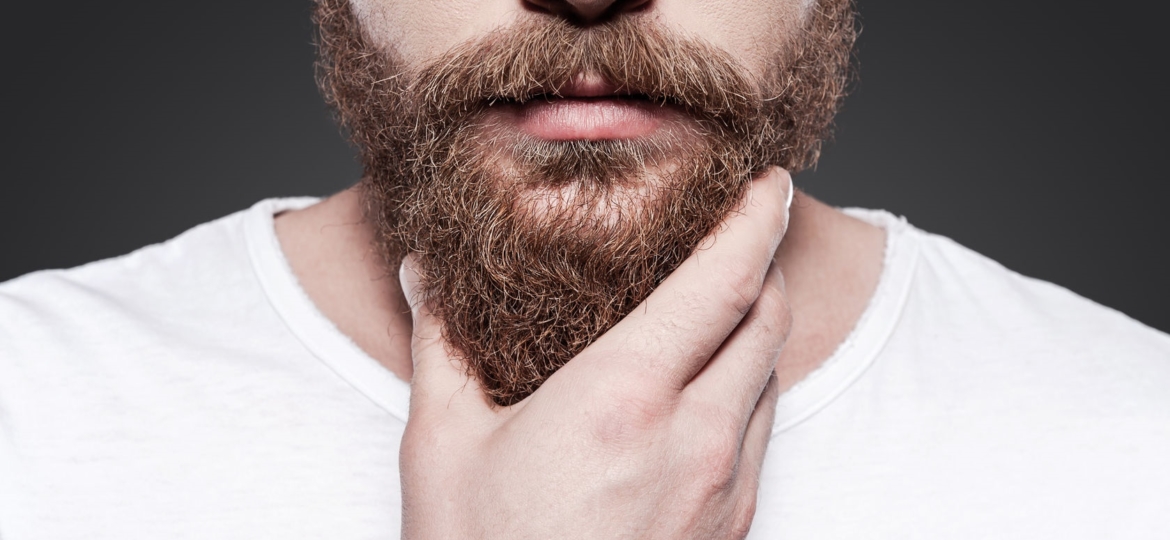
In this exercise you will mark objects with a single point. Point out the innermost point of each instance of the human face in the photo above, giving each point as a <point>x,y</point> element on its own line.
<point>424,29</point>
<point>549,169</point>
<point>748,31</point>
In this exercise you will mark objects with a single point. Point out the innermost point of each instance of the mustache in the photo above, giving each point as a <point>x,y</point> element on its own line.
<point>524,278</point>
<point>786,109</point>
<point>538,59</point>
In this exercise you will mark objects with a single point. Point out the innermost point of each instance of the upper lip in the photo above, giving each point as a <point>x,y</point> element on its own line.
<point>587,85</point>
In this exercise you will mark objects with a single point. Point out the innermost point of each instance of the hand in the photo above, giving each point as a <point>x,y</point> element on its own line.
<point>656,430</point>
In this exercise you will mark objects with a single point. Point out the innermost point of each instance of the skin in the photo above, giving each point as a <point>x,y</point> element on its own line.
<point>653,431</point>
<point>830,262</point>
<point>675,403</point>
<point>421,30</point>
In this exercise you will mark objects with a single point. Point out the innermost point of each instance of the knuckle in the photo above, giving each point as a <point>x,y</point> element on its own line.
<point>427,351</point>
<point>716,461</point>
<point>419,442</point>
<point>773,312</point>
<point>717,472</point>
<point>743,284</point>
<point>744,514</point>
<point>624,417</point>
<point>772,303</point>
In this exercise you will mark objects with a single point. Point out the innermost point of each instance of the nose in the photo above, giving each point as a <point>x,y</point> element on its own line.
<point>588,11</point>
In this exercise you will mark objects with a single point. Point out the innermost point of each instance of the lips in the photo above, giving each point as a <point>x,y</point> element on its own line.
<point>592,109</point>
<point>591,119</point>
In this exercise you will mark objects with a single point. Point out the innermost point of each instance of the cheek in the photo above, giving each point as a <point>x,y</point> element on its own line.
<point>752,31</point>
<point>420,29</point>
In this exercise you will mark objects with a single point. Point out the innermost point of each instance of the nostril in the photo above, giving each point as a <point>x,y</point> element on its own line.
<point>590,9</point>
<point>543,6</point>
<point>586,11</point>
<point>636,5</point>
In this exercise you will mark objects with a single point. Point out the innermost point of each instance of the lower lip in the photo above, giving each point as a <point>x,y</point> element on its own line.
<point>590,119</point>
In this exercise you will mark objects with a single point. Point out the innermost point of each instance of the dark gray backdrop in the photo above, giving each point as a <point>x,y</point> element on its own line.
<point>1030,130</point>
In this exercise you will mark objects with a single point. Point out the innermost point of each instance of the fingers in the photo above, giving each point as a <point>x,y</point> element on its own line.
<point>735,376</point>
<point>671,335</point>
<point>759,429</point>
<point>439,384</point>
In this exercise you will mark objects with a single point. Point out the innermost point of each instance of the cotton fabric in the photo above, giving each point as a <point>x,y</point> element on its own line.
<point>191,390</point>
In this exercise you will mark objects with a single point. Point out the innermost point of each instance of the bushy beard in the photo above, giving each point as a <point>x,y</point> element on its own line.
<point>530,249</point>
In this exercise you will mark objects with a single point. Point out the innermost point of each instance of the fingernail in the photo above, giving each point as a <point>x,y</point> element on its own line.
<point>791,193</point>
<point>788,204</point>
<point>408,279</point>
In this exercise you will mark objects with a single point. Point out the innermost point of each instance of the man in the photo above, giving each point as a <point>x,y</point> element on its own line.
<point>577,240</point>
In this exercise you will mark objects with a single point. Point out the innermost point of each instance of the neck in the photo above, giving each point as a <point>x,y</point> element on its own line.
<point>831,264</point>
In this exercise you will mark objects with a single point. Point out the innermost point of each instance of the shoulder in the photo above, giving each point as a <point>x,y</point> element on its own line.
<point>975,329</point>
<point>988,390</point>
<point>156,289</point>
<point>972,289</point>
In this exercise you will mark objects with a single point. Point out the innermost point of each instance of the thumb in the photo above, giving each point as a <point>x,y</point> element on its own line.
<point>439,385</point>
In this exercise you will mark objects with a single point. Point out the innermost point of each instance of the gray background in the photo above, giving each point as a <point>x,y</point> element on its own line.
<point>1030,130</point>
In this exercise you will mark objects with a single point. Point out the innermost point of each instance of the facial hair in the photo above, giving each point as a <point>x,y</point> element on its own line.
<point>530,249</point>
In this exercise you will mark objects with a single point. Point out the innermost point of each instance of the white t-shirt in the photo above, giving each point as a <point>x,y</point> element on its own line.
<point>191,390</point>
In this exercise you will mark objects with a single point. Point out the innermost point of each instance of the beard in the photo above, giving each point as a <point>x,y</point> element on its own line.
<point>529,249</point>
